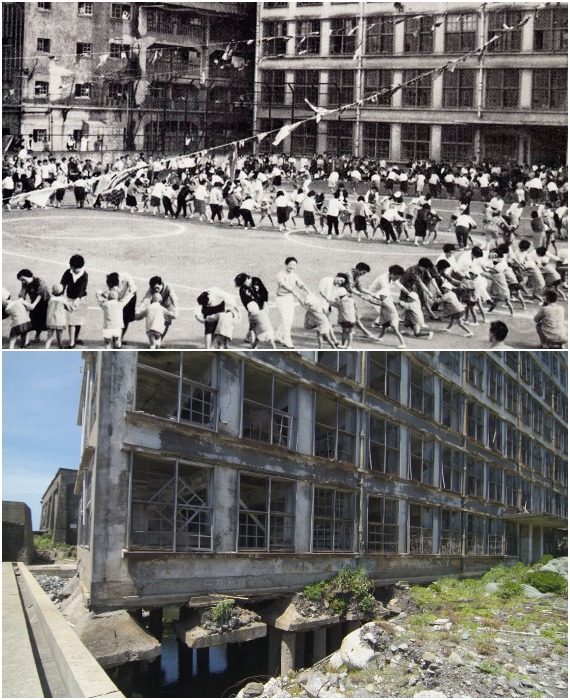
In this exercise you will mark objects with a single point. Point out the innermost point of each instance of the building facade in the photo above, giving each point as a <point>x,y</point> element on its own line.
<point>258,473</point>
<point>60,507</point>
<point>114,76</point>
<point>510,104</point>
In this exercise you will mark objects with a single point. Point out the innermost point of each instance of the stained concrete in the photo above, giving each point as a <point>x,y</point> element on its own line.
<point>196,637</point>
<point>283,615</point>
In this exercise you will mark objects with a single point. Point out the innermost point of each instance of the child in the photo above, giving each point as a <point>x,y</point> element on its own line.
<point>17,311</point>
<point>413,316</point>
<point>112,318</point>
<point>56,318</point>
<point>225,328</point>
<point>537,226</point>
<point>500,290</point>
<point>388,317</point>
<point>265,210</point>
<point>344,302</point>
<point>156,316</point>
<point>345,217</point>
<point>550,322</point>
<point>317,319</point>
<point>432,221</point>
<point>209,315</point>
<point>309,208</point>
<point>260,326</point>
<point>452,309</point>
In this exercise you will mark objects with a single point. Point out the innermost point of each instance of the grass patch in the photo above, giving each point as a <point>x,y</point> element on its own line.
<point>349,588</point>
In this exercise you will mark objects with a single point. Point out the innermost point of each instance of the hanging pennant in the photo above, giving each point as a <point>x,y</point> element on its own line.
<point>284,132</point>
<point>358,53</point>
<point>260,137</point>
<point>227,53</point>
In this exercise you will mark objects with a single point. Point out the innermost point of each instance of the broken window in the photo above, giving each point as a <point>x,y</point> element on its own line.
<point>495,484</point>
<point>495,383</point>
<point>511,442</point>
<point>384,373</point>
<point>171,505</point>
<point>452,469</point>
<point>495,432</point>
<point>420,466</point>
<point>496,537</point>
<point>421,529</point>
<point>475,478</point>
<point>526,490</point>
<point>339,361</point>
<point>476,421</point>
<point>335,429</point>
<point>526,450</point>
<point>84,534</point>
<point>452,407</point>
<point>511,360</point>
<point>512,395</point>
<point>333,520</point>
<point>475,368</point>
<point>451,535</point>
<point>476,534</point>
<point>452,360</point>
<point>383,530</point>
<point>384,447</point>
<point>511,540</point>
<point>266,514</point>
<point>269,406</point>
<point>177,386</point>
<point>421,390</point>
<point>511,490</point>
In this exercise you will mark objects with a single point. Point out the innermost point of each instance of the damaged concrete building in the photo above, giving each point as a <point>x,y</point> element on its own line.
<point>255,473</point>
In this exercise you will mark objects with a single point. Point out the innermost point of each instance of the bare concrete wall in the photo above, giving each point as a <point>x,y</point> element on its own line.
<point>17,534</point>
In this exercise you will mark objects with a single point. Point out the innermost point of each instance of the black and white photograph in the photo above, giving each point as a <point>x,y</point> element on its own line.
<point>284,175</point>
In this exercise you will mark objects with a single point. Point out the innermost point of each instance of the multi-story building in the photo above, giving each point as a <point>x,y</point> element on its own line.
<point>133,75</point>
<point>508,104</point>
<point>257,473</point>
<point>60,507</point>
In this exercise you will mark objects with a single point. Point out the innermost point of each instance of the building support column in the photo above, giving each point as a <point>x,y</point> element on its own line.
<point>526,544</point>
<point>155,623</point>
<point>319,644</point>
<point>274,644</point>
<point>435,146</point>
<point>202,662</point>
<point>125,678</point>
<point>477,144</point>
<point>300,649</point>
<point>288,640</point>
<point>336,636</point>
<point>396,142</point>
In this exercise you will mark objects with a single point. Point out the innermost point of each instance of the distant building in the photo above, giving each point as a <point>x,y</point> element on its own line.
<point>510,105</point>
<point>17,533</point>
<point>60,507</point>
<point>144,76</point>
<point>256,473</point>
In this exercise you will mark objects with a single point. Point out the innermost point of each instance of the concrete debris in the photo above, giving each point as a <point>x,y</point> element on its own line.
<point>360,647</point>
<point>558,566</point>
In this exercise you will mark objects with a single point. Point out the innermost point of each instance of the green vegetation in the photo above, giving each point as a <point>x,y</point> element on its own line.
<point>222,611</point>
<point>45,542</point>
<point>509,589</point>
<point>349,587</point>
<point>548,582</point>
<point>544,559</point>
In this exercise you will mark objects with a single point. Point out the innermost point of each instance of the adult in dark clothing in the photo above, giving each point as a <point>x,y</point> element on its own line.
<point>421,224</point>
<point>36,292</point>
<point>210,316</point>
<point>169,299</point>
<point>182,195</point>
<point>252,293</point>
<point>126,290</point>
<point>74,282</point>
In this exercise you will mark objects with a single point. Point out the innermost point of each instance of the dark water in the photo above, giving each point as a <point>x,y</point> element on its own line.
<point>218,672</point>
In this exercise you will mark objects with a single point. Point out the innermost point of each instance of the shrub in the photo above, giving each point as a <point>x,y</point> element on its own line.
<point>548,582</point>
<point>509,589</point>
<point>222,611</point>
<point>544,560</point>
<point>349,585</point>
<point>315,592</point>
<point>501,573</point>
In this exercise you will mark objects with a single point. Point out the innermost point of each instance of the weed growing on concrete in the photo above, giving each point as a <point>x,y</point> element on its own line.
<point>349,587</point>
<point>222,611</point>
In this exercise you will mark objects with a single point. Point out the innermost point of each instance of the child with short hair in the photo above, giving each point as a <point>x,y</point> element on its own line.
<point>452,310</point>
<point>388,316</point>
<point>345,217</point>
<point>265,209</point>
<point>17,311</point>
<point>316,319</point>
<point>56,317</point>
<point>344,302</point>
<point>112,318</point>
<point>156,316</point>
<point>414,316</point>
<point>500,290</point>
<point>550,322</point>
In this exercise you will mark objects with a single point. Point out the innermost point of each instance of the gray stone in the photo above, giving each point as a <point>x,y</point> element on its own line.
<point>455,660</point>
<point>360,647</point>
<point>403,647</point>
<point>526,683</point>
<point>491,588</point>
<point>335,661</point>
<point>429,657</point>
<point>558,566</point>
<point>441,621</point>
<point>253,690</point>
<point>531,591</point>
<point>430,694</point>
<point>315,684</point>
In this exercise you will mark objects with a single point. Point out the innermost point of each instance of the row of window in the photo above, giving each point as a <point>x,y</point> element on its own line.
<point>184,390</point>
<point>85,9</point>
<point>84,49</point>
<point>172,506</point>
<point>502,88</point>
<point>460,32</point>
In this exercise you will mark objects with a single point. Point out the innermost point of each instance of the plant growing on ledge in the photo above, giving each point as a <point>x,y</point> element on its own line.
<point>350,590</point>
<point>222,612</point>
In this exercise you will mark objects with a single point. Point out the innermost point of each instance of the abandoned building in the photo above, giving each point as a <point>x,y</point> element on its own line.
<point>255,473</point>
<point>60,507</point>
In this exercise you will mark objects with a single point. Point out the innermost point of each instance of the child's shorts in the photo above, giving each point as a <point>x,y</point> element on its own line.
<point>155,201</point>
<point>347,325</point>
<point>20,329</point>
<point>154,335</point>
<point>309,218</point>
<point>199,206</point>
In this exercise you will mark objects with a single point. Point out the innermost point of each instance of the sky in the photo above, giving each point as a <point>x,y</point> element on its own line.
<point>40,401</point>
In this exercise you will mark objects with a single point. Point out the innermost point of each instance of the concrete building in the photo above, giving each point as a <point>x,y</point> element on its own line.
<point>114,76</point>
<point>60,507</point>
<point>510,104</point>
<point>17,533</point>
<point>258,473</point>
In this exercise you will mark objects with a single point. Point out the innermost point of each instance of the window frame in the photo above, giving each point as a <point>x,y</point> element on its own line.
<point>383,535</point>
<point>418,34</point>
<point>343,31</point>
<point>475,487</point>
<point>340,404</point>
<point>308,36</point>
<point>43,44</point>
<point>333,520</point>
<point>452,468</point>
<point>451,537</point>
<point>85,9</point>
<point>381,41</point>
<point>389,435</point>
<point>467,38</point>
<point>419,93</point>
<point>425,532</point>
<point>426,455</point>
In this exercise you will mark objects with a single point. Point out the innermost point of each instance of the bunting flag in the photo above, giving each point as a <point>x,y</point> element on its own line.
<point>123,55</point>
<point>227,53</point>
<point>103,59</point>
<point>284,132</point>
<point>260,137</point>
<point>238,62</point>
<point>358,53</point>
<point>202,78</point>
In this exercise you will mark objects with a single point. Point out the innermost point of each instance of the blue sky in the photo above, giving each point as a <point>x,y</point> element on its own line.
<point>40,400</point>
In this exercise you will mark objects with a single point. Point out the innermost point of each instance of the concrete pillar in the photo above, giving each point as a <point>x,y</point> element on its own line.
<point>435,147</point>
<point>438,38</point>
<point>404,450</point>
<point>527,39</point>
<point>437,92</point>
<point>436,529</point>
<point>526,544</point>
<point>325,37</point>
<point>274,645</point>
<point>202,662</point>
<point>351,625</point>
<point>399,38</point>
<point>184,660</point>
<point>335,636</point>
<point>155,626</point>
<point>229,395</point>
<point>226,525</point>
<point>525,92</point>
<point>397,77</point>
<point>300,649</point>
<point>396,142</point>
<point>537,544</point>
<point>403,526</point>
<point>319,644</point>
<point>305,431</point>
<point>125,678</point>
<point>288,640</point>
<point>303,510</point>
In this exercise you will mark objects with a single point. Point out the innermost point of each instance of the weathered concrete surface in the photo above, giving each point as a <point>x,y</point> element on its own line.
<point>17,651</point>
<point>284,616</point>
<point>113,638</point>
<point>17,534</point>
<point>82,676</point>
<point>196,637</point>
<point>63,569</point>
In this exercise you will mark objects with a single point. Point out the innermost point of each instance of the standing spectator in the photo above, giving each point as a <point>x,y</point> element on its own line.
<point>74,283</point>
<point>36,292</point>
